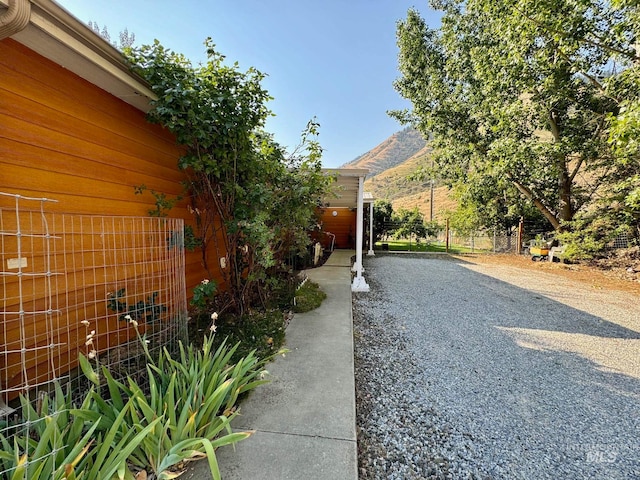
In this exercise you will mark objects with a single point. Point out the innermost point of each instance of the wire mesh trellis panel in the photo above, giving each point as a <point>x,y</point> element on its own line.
<point>621,241</point>
<point>70,284</point>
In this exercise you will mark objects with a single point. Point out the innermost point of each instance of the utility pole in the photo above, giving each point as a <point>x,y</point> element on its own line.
<point>431,198</point>
<point>446,248</point>
<point>431,203</point>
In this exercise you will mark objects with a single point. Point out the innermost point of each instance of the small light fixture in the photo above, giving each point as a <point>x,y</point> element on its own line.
<point>334,213</point>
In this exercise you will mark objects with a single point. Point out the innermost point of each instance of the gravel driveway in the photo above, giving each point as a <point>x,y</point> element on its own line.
<point>494,372</point>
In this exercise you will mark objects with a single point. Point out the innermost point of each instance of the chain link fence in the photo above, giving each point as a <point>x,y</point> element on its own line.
<point>480,242</point>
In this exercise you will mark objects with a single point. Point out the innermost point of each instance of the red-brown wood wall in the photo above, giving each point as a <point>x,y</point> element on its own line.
<point>63,138</point>
<point>342,225</point>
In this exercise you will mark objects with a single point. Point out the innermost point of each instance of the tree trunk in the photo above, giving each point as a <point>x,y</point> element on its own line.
<point>565,207</point>
<point>565,210</point>
<point>548,214</point>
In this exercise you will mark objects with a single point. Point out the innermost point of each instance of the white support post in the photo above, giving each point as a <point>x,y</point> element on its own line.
<point>370,253</point>
<point>359,284</point>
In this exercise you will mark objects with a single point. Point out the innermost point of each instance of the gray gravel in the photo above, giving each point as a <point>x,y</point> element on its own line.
<point>493,372</point>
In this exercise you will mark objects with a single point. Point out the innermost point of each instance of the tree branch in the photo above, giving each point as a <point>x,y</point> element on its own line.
<point>548,214</point>
<point>591,79</point>
<point>575,171</point>
<point>582,158</point>
<point>631,54</point>
<point>553,124</point>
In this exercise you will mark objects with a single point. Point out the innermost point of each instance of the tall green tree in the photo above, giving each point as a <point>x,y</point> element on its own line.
<point>127,39</point>
<point>622,203</point>
<point>410,223</point>
<point>516,97</point>
<point>382,219</point>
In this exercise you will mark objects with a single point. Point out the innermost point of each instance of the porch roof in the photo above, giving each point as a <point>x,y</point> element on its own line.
<point>345,187</point>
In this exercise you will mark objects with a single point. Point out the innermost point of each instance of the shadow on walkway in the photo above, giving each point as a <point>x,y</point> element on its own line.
<point>304,420</point>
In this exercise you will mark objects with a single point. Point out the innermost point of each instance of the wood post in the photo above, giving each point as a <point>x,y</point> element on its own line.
<point>447,237</point>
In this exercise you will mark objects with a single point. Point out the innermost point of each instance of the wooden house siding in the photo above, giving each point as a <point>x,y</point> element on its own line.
<point>342,225</point>
<point>63,138</point>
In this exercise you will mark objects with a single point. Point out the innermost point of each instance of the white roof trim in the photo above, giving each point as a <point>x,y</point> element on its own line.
<point>59,36</point>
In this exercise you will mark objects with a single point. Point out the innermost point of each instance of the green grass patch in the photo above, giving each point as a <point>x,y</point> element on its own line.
<point>308,297</point>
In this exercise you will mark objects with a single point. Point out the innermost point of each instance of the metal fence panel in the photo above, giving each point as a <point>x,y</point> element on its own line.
<point>78,284</point>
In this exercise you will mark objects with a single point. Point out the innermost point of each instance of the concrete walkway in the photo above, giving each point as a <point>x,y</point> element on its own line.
<point>304,420</point>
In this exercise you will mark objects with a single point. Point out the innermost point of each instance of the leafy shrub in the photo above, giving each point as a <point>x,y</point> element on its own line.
<point>184,415</point>
<point>308,297</point>
<point>260,331</point>
<point>589,236</point>
<point>203,295</point>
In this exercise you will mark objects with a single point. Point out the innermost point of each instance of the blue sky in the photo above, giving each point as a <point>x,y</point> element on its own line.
<point>330,59</point>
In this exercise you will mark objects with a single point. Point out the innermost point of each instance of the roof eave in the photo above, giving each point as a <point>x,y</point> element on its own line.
<point>345,187</point>
<point>59,36</point>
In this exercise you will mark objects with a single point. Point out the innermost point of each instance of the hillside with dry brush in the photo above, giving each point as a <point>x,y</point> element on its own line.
<point>391,165</point>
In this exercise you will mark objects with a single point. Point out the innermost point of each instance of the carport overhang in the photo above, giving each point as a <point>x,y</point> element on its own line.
<point>348,192</point>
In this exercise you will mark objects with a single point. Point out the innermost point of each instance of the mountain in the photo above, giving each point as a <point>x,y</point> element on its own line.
<point>391,163</point>
<point>395,150</point>
<point>393,183</point>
